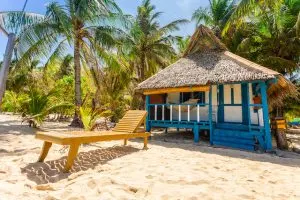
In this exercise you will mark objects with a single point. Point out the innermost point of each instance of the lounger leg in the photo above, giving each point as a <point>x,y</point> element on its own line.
<point>125,142</point>
<point>45,150</point>
<point>145,143</point>
<point>71,156</point>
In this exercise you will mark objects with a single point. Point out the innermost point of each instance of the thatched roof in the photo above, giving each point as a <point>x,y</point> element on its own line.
<point>207,61</point>
<point>206,68</point>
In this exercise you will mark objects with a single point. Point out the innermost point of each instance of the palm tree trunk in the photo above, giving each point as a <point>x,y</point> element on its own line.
<point>76,119</point>
<point>6,63</point>
<point>142,69</point>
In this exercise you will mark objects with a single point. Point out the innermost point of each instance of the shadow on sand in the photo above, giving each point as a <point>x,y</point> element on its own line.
<point>184,140</point>
<point>52,171</point>
<point>15,128</point>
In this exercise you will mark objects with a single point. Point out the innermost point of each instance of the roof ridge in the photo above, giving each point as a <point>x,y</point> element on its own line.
<point>250,64</point>
<point>200,39</point>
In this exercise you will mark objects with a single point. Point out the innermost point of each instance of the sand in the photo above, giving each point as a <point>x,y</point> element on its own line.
<point>172,168</point>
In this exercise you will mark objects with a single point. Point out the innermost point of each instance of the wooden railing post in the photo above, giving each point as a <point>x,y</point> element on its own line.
<point>155,112</point>
<point>189,113</point>
<point>163,113</point>
<point>198,113</point>
<point>179,110</point>
<point>171,112</point>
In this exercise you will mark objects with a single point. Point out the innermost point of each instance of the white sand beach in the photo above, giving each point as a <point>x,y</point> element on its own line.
<point>172,168</point>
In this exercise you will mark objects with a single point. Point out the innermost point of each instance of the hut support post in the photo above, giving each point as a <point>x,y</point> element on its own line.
<point>196,133</point>
<point>245,103</point>
<point>148,124</point>
<point>268,139</point>
<point>221,104</point>
<point>210,116</point>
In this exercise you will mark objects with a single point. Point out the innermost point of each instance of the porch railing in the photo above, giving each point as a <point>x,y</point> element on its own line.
<point>172,109</point>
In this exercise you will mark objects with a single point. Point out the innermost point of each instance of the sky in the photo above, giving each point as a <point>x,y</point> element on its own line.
<point>172,10</point>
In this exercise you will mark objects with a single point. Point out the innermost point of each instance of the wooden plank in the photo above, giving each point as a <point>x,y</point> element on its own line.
<point>179,89</point>
<point>132,118</point>
<point>91,138</point>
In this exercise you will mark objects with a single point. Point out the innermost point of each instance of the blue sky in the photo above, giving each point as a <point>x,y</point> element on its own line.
<point>172,9</point>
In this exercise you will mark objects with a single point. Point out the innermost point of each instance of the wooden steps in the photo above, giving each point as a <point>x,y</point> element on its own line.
<point>238,139</point>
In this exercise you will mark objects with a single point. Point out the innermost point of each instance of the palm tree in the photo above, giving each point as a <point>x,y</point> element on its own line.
<point>84,26</point>
<point>65,67</point>
<point>149,46</point>
<point>216,15</point>
<point>182,44</point>
<point>245,8</point>
<point>272,39</point>
<point>12,24</point>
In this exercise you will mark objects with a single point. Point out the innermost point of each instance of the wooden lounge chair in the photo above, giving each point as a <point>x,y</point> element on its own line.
<point>128,127</point>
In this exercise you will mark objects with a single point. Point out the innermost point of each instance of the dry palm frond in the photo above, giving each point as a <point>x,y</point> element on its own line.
<point>279,91</point>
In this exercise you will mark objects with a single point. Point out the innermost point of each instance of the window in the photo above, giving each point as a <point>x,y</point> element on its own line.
<point>185,96</point>
<point>200,96</point>
<point>232,95</point>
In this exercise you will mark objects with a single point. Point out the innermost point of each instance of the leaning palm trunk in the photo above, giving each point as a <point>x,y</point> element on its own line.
<point>76,120</point>
<point>6,63</point>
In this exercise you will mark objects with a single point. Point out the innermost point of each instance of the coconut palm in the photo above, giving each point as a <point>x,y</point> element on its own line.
<point>84,26</point>
<point>216,15</point>
<point>246,8</point>
<point>148,45</point>
<point>182,44</point>
<point>66,67</point>
<point>12,24</point>
<point>272,39</point>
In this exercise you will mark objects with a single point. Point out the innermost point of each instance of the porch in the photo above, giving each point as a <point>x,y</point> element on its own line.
<point>233,124</point>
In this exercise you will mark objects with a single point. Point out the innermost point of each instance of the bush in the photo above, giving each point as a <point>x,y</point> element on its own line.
<point>14,102</point>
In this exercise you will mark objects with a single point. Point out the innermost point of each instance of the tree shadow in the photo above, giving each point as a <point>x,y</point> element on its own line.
<point>16,129</point>
<point>184,140</point>
<point>52,171</point>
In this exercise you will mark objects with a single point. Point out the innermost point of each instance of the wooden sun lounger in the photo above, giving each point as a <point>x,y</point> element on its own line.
<point>127,128</point>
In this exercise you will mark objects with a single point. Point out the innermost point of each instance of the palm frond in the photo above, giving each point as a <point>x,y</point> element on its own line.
<point>173,26</point>
<point>245,7</point>
<point>16,21</point>
<point>298,25</point>
<point>202,15</point>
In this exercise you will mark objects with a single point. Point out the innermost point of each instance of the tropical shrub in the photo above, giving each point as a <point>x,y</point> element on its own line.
<point>38,106</point>
<point>89,117</point>
<point>14,102</point>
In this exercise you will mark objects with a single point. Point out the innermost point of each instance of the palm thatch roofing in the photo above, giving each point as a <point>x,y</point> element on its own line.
<point>207,61</point>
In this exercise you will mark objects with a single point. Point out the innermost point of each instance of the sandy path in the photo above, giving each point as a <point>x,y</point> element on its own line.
<point>168,170</point>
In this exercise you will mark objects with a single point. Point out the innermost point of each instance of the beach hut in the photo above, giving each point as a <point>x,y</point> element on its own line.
<point>212,89</point>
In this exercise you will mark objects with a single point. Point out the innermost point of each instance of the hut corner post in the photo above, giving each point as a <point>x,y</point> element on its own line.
<point>210,116</point>
<point>147,124</point>
<point>268,138</point>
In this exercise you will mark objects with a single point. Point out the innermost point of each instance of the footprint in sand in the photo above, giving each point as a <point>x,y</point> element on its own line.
<point>245,196</point>
<point>273,182</point>
<point>149,177</point>
<point>92,184</point>
<point>76,198</point>
<point>50,198</point>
